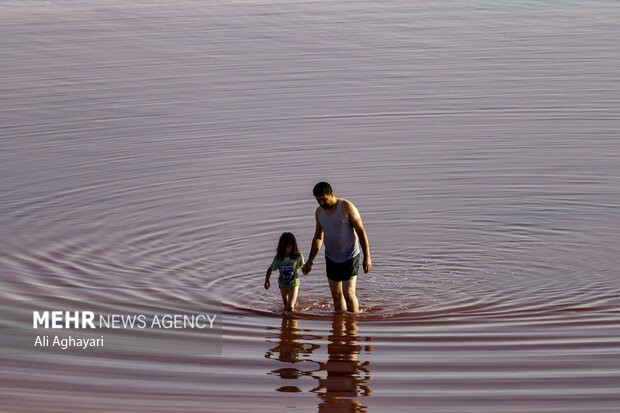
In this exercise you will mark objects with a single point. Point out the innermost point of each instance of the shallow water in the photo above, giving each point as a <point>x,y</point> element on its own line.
<point>156,150</point>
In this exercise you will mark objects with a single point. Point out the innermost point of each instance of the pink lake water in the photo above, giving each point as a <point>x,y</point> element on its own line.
<point>157,150</point>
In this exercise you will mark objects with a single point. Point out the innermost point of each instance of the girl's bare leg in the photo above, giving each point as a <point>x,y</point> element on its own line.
<point>292,298</point>
<point>284,292</point>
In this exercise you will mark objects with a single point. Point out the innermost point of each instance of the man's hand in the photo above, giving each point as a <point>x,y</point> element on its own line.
<point>267,284</point>
<point>367,264</point>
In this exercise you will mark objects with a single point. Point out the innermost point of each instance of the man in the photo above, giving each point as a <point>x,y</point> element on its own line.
<point>338,222</point>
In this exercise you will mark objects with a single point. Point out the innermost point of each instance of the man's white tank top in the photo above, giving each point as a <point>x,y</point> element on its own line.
<point>340,239</point>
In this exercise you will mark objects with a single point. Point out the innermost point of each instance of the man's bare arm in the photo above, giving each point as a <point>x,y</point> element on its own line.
<point>356,221</point>
<point>317,242</point>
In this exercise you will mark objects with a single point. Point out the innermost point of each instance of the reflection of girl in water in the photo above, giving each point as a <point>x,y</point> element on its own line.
<point>289,350</point>
<point>289,261</point>
<point>289,347</point>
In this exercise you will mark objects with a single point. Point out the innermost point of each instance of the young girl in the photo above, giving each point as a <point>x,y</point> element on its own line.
<point>289,261</point>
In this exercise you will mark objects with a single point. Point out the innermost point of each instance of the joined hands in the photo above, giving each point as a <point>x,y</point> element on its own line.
<point>307,268</point>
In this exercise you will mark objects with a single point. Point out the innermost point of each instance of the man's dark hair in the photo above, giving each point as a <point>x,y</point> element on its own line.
<point>322,188</point>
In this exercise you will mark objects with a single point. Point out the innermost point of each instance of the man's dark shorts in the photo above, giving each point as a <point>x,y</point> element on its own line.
<point>342,271</point>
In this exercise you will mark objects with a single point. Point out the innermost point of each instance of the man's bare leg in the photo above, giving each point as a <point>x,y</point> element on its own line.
<point>348,290</point>
<point>336,289</point>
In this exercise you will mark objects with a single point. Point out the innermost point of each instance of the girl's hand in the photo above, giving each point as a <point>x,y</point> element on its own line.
<point>267,285</point>
<point>307,268</point>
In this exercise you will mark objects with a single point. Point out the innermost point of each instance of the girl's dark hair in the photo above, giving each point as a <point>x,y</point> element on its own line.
<point>287,239</point>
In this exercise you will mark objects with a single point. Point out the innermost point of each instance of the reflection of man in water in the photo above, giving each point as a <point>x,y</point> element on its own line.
<point>345,380</point>
<point>339,223</point>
